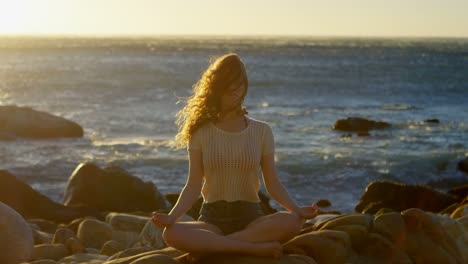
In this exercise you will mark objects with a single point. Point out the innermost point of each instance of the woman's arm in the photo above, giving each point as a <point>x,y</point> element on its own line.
<point>192,188</point>
<point>273,185</point>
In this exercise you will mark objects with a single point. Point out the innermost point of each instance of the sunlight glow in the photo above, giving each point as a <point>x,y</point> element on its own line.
<point>241,17</point>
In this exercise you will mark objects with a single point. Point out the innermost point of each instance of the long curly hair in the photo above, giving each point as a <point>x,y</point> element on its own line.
<point>204,105</point>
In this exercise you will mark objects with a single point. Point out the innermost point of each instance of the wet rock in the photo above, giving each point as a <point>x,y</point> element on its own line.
<point>25,122</point>
<point>399,196</point>
<point>356,124</point>
<point>16,238</point>
<point>111,189</point>
<point>49,251</point>
<point>433,121</point>
<point>94,233</point>
<point>32,204</point>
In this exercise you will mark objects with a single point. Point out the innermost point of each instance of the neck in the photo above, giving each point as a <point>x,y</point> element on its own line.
<point>231,115</point>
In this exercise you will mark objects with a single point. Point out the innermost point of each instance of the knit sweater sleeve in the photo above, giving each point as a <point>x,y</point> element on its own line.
<point>268,144</point>
<point>195,141</point>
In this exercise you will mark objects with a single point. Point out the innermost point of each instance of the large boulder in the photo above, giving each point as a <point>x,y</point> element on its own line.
<point>25,122</point>
<point>463,165</point>
<point>399,196</point>
<point>357,124</point>
<point>111,189</point>
<point>16,238</point>
<point>32,204</point>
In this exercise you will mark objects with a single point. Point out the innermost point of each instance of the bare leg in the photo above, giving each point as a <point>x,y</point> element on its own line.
<point>199,238</point>
<point>280,226</point>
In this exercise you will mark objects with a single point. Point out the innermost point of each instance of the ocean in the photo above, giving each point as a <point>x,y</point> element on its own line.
<point>124,92</point>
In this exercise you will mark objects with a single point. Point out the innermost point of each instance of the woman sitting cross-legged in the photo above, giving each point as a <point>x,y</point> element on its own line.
<point>226,150</point>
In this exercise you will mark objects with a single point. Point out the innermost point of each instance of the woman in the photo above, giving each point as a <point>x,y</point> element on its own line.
<point>226,150</point>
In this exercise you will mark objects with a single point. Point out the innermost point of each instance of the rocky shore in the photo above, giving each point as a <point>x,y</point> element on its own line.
<point>105,218</point>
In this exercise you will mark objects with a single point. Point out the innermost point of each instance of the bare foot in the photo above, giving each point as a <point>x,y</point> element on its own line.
<point>267,249</point>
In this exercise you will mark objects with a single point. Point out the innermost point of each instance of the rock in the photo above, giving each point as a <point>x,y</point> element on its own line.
<point>92,250</point>
<point>88,258</point>
<point>391,226</point>
<point>28,123</point>
<point>111,189</point>
<point>130,258</point>
<point>43,261</point>
<point>42,237</point>
<point>350,219</point>
<point>322,203</point>
<point>381,250</point>
<point>73,225</point>
<point>74,246</point>
<point>44,225</point>
<point>363,134</point>
<point>111,247</point>
<point>62,235</point>
<point>460,212</point>
<point>327,246</point>
<point>399,197</point>
<point>433,121</point>
<point>357,234</point>
<point>456,235</point>
<point>16,238</point>
<point>425,234</point>
<point>49,251</point>
<point>155,258</point>
<point>130,252</point>
<point>94,233</point>
<point>126,238</point>
<point>151,235</point>
<point>127,222</point>
<point>463,165</point>
<point>460,191</point>
<point>236,259</point>
<point>20,196</point>
<point>356,124</point>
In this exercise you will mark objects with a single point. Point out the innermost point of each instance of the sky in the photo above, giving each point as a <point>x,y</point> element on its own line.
<point>413,18</point>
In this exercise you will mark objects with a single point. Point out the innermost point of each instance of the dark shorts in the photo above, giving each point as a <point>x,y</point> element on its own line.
<point>230,217</point>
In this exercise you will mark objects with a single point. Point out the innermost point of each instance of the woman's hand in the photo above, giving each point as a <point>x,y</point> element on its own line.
<point>162,220</point>
<point>308,212</point>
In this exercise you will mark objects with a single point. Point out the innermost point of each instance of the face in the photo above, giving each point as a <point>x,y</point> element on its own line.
<point>232,96</point>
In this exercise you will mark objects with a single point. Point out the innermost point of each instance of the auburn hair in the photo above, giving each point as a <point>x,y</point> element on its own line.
<point>204,105</point>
